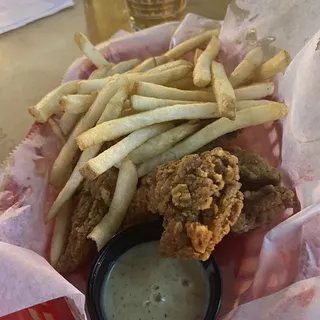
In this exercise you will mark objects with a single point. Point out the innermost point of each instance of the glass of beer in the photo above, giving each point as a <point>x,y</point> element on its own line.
<point>147,13</point>
<point>105,17</point>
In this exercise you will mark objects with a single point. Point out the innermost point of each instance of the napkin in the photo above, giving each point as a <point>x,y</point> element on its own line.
<point>17,13</point>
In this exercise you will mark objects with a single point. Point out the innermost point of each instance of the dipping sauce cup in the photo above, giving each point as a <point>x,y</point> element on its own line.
<point>130,280</point>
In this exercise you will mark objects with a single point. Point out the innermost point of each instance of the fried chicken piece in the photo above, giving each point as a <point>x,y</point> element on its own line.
<point>199,198</point>
<point>262,206</point>
<point>94,202</point>
<point>255,172</point>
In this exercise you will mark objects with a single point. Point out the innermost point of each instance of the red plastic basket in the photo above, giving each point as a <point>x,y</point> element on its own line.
<point>52,310</point>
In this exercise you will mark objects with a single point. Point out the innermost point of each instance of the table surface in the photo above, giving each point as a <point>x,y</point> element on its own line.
<point>34,58</point>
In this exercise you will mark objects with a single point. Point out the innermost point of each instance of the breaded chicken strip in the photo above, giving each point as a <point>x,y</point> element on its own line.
<point>199,198</point>
<point>95,199</point>
<point>262,206</point>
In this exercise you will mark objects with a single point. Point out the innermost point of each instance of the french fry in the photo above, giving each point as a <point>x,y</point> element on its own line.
<point>244,104</point>
<point>202,69</point>
<point>168,66</point>
<point>246,68</point>
<point>114,129</point>
<point>254,91</point>
<point>125,189</point>
<point>89,86</point>
<point>90,51</point>
<point>112,111</point>
<point>48,105</point>
<point>141,103</point>
<point>60,232</point>
<point>162,142</point>
<point>150,63</point>
<point>162,78</point>
<point>99,73</point>
<point>64,159</point>
<point>197,55</point>
<point>223,91</point>
<point>190,44</point>
<point>165,77</point>
<point>68,122</point>
<point>157,91</point>
<point>76,103</point>
<point>244,118</point>
<point>123,67</point>
<point>270,68</point>
<point>186,83</point>
<point>57,131</point>
<point>115,154</point>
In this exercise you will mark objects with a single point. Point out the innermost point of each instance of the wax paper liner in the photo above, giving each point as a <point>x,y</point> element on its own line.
<point>271,273</point>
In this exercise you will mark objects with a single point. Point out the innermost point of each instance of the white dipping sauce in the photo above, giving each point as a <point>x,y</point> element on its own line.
<point>145,286</point>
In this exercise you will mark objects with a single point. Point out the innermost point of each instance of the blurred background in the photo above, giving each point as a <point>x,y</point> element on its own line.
<point>34,57</point>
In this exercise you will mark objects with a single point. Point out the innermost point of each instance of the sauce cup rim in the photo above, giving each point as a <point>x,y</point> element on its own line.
<point>124,241</point>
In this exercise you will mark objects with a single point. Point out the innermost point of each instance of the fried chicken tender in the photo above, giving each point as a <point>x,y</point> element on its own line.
<point>94,201</point>
<point>199,198</point>
<point>262,206</point>
<point>255,172</point>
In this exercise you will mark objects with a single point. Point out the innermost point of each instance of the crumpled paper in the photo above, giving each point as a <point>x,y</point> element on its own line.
<point>271,273</point>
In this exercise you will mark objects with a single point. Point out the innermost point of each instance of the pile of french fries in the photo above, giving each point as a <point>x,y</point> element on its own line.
<point>154,110</point>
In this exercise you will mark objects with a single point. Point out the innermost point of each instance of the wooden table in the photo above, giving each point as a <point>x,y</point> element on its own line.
<point>33,59</point>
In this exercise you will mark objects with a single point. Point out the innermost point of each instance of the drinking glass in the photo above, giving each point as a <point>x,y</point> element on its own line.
<point>147,13</point>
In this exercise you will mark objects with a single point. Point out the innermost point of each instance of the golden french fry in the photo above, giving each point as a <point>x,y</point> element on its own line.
<point>123,67</point>
<point>202,69</point>
<point>190,44</point>
<point>165,77</point>
<point>125,189</point>
<point>270,68</point>
<point>68,122</point>
<point>254,91</point>
<point>115,154</point>
<point>168,66</point>
<point>246,68</point>
<point>223,91</point>
<point>157,91</point>
<point>197,55</point>
<point>90,51</point>
<point>150,63</point>
<point>162,142</point>
<point>60,232</point>
<point>57,131</point>
<point>186,83</point>
<point>244,118</point>
<point>113,129</point>
<point>48,105</point>
<point>112,111</point>
<point>244,104</point>
<point>141,103</point>
<point>76,103</point>
<point>70,148</point>
<point>99,73</point>
<point>89,86</point>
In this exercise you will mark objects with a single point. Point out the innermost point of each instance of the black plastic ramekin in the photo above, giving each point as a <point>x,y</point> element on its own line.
<point>123,242</point>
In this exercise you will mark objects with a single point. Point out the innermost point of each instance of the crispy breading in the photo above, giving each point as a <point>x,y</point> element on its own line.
<point>94,201</point>
<point>255,172</point>
<point>199,198</point>
<point>262,206</point>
